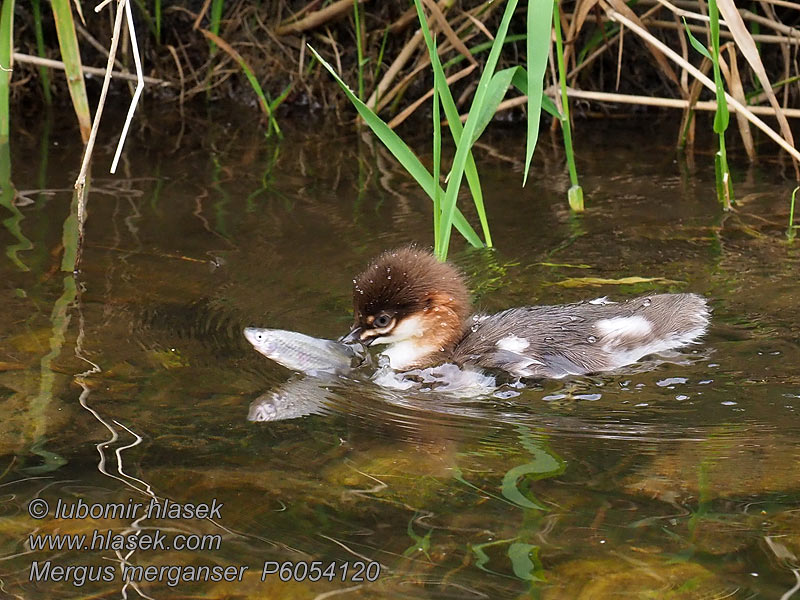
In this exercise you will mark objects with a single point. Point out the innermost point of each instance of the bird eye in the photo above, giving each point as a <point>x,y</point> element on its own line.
<point>382,321</point>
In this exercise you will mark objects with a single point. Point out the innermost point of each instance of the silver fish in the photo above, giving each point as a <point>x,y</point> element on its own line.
<point>304,353</point>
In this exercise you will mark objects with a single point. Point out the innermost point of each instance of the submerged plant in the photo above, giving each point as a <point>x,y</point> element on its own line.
<point>791,232</point>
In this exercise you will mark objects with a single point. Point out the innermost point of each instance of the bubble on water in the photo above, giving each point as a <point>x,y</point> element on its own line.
<point>646,302</point>
<point>671,381</point>
<point>728,403</point>
<point>681,397</point>
<point>591,339</point>
<point>549,339</point>
<point>506,394</point>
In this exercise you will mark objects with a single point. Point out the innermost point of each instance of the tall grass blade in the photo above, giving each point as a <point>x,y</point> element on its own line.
<point>456,129</point>
<point>6,52</point>
<point>575,192</point>
<point>791,232</point>
<point>359,50</point>
<point>216,18</point>
<point>462,150</point>
<point>71,56</point>
<point>696,44</point>
<point>537,49</point>
<point>722,116</point>
<point>400,151</point>
<point>157,11</point>
<point>437,157</point>
<point>44,72</point>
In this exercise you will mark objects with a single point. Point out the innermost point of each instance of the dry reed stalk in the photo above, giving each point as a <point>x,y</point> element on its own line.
<point>785,51</point>
<point>448,32</point>
<point>625,10</point>
<point>709,105</point>
<point>644,34</point>
<point>201,14</point>
<point>422,63</point>
<point>687,128</point>
<point>772,23</point>
<point>601,50</point>
<point>320,17</point>
<point>579,15</point>
<point>57,64</point>
<point>747,46</point>
<point>180,76</point>
<point>80,182</point>
<point>758,37</point>
<point>399,63</point>
<point>409,110</point>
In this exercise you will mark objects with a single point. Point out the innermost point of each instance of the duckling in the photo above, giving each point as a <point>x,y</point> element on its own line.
<point>420,307</point>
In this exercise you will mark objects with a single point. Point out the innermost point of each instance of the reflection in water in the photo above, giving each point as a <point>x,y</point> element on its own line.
<point>8,200</point>
<point>671,478</point>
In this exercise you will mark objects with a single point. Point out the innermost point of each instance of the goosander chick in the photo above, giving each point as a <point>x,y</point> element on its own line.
<point>421,308</point>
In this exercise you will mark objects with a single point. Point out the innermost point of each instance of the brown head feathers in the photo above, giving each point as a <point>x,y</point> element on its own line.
<point>406,281</point>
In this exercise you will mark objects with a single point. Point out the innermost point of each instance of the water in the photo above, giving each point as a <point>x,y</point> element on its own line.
<point>674,478</point>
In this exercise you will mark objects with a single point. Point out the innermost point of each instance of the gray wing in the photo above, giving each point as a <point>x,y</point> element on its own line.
<point>583,337</point>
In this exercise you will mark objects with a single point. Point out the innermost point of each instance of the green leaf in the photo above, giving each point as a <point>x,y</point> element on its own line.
<point>456,129</point>
<point>400,151</point>
<point>696,44</point>
<point>462,151</point>
<point>498,86</point>
<point>540,14</point>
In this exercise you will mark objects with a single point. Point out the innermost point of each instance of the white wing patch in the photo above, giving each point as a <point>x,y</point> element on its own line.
<point>624,327</point>
<point>602,301</point>
<point>512,343</point>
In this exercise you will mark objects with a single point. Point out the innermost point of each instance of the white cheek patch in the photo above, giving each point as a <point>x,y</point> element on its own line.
<point>512,343</point>
<point>624,327</point>
<point>408,328</point>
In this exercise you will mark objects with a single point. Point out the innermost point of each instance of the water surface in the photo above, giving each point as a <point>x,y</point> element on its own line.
<point>131,380</point>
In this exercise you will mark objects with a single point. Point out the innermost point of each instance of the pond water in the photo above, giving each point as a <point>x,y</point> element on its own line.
<point>132,381</point>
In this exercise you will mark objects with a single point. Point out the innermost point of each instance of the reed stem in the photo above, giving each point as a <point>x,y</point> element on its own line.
<point>71,56</point>
<point>575,193</point>
<point>6,52</point>
<point>722,117</point>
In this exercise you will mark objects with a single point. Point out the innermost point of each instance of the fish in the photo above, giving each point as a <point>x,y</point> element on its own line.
<point>303,353</point>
